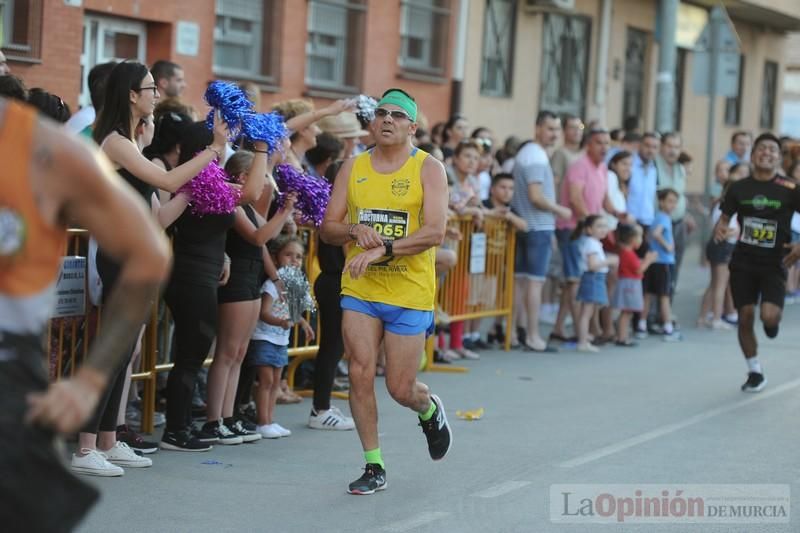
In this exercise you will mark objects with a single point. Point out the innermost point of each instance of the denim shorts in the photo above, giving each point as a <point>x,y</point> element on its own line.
<point>532,258</point>
<point>397,320</point>
<point>592,288</point>
<point>265,353</point>
<point>570,254</point>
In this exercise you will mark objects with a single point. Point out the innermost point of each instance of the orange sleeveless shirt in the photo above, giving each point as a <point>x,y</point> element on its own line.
<point>30,248</point>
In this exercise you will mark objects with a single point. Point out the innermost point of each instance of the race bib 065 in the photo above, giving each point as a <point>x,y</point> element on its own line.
<point>390,224</point>
<point>759,232</point>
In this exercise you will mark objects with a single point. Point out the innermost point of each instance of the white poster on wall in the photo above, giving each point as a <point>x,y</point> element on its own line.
<point>187,42</point>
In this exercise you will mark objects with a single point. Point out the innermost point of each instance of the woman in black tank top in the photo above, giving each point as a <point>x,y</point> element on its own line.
<point>129,98</point>
<point>240,301</point>
<point>199,257</point>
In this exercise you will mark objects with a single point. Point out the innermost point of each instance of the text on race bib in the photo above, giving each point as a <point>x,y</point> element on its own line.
<point>390,224</point>
<point>759,232</point>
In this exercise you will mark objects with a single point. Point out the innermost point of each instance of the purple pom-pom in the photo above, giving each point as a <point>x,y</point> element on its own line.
<point>266,127</point>
<point>313,194</point>
<point>209,192</point>
<point>231,102</point>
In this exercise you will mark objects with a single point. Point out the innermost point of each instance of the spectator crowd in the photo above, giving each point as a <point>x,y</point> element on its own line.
<point>602,221</point>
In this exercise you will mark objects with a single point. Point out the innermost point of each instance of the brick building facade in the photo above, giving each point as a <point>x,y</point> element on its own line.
<point>321,49</point>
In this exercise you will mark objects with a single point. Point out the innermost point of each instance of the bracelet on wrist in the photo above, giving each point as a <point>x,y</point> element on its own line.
<point>350,232</point>
<point>260,151</point>
<point>217,152</point>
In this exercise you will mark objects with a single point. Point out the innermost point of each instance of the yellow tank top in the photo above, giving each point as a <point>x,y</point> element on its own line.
<point>392,204</point>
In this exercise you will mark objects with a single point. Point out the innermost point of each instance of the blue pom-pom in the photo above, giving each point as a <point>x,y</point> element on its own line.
<point>266,127</point>
<point>313,194</point>
<point>231,102</point>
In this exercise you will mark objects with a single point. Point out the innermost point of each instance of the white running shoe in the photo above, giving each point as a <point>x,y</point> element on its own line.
<point>332,419</point>
<point>721,324</point>
<point>94,463</point>
<point>588,347</point>
<point>269,431</point>
<point>282,430</point>
<point>122,455</point>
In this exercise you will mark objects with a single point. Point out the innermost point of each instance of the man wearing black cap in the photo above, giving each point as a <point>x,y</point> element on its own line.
<point>764,204</point>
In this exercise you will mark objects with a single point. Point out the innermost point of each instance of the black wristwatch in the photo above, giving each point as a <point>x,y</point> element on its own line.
<point>388,245</point>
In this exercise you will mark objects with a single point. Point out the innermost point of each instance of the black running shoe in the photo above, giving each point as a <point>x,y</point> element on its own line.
<point>373,479</point>
<point>755,382</point>
<point>135,441</point>
<point>182,441</point>
<point>247,424</point>
<point>771,332</point>
<point>237,427</point>
<point>221,433</point>
<point>437,431</point>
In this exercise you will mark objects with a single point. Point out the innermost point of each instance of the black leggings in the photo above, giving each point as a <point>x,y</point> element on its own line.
<point>105,415</point>
<point>327,289</point>
<point>194,311</point>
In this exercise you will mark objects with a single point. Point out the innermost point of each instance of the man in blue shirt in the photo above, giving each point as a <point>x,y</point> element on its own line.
<point>741,141</point>
<point>643,183</point>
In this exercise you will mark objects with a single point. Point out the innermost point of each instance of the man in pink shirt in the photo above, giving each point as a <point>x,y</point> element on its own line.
<point>585,191</point>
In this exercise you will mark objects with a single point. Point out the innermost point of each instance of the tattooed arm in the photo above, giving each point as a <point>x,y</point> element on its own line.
<point>75,184</point>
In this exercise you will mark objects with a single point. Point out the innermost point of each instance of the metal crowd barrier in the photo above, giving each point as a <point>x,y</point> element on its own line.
<point>481,285</point>
<point>464,295</point>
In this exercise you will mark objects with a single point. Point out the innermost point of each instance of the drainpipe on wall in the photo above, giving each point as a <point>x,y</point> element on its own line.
<point>459,58</point>
<point>667,54</point>
<point>601,76</point>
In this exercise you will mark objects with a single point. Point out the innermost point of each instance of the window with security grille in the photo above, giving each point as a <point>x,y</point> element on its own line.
<point>424,35</point>
<point>499,24</point>
<point>633,89</point>
<point>565,63</point>
<point>768,93</point>
<point>20,28</point>
<point>244,46</point>
<point>733,104</point>
<point>335,33</point>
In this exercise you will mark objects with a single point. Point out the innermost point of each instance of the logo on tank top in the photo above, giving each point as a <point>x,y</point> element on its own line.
<point>12,232</point>
<point>400,186</point>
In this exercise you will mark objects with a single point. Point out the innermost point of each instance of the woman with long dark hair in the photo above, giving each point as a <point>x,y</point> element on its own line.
<point>199,261</point>
<point>130,97</point>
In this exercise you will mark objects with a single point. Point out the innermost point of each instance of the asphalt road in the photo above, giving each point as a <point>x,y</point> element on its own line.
<point>663,414</point>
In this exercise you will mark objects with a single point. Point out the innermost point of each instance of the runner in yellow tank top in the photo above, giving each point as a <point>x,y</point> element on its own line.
<point>392,201</point>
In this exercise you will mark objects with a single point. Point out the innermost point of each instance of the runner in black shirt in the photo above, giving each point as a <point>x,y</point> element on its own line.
<point>764,204</point>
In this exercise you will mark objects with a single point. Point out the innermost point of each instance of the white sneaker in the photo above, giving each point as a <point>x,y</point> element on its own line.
<point>269,431</point>
<point>282,430</point>
<point>720,324</point>
<point>122,455</point>
<point>332,419</point>
<point>94,463</point>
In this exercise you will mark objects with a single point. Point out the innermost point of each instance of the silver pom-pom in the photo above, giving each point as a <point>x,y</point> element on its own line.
<point>365,108</point>
<point>298,292</point>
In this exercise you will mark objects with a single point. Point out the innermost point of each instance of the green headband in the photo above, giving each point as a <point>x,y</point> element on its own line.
<point>401,100</point>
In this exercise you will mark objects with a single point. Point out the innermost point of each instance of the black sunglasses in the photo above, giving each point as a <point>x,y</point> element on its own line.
<point>397,115</point>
